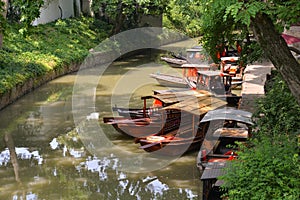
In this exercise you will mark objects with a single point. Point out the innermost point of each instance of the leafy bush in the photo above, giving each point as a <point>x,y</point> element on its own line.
<point>47,47</point>
<point>268,167</point>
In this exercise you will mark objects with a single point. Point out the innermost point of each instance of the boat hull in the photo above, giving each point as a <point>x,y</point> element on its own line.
<point>174,62</point>
<point>169,80</point>
<point>174,147</point>
<point>143,127</point>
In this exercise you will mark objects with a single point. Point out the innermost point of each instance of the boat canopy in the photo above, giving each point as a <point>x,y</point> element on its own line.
<point>228,114</point>
<point>198,105</point>
<point>237,133</point>
<point>213,170</point>
<point>174,97</point>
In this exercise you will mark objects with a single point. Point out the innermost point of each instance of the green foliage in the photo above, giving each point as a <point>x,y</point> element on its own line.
<point>269,170</point>
<point>218,27</point>
<point>243,13</point>
<point>279,110</point>
<point>268,166</point>
<point>29,10</point>
<point>125,14</point>
<point>47,47</point>
<point>184,16</point>
<point>231,20</point>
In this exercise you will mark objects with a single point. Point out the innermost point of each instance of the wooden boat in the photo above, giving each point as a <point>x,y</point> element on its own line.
<point>169,80</point>
<point>160,99</point>
<point>170,144</point>
<point>136,112</point>
<point>217,82</point>
<point>197,55</point>
<point>232,66</point>
<point>142,127</point>
<point>189,135</point>
<point>219,144</point>
<point>188,71</point>
<point>174,62</point>
<point>210,183</point>
<point>160,121</point>
<point>215,153</point>
<point>194,55</point>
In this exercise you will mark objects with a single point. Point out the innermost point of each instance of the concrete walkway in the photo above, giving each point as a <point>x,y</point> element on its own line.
<point>255,77</point>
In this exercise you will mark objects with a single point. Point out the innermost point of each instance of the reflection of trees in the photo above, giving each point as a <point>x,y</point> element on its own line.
<point>99,178</point>
<point>70,175</point>
<point>13,156</point>
<point>32,124</point>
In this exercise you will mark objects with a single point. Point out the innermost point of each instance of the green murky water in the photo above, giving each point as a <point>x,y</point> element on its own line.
<point>42,156</point>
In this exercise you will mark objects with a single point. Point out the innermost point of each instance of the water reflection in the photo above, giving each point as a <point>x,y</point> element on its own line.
<point>51,162</point>
<point>106,169</point>
<point>23,153</point>
<point>28,196</point>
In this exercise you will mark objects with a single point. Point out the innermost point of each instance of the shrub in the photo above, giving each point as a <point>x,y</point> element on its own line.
<point>47,47</point>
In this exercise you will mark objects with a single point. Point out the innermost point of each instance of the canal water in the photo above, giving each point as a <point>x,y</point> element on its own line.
<point>42,156</point>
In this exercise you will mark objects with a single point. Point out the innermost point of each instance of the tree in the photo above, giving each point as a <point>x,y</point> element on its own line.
<point>268,166</point>
<point>28,11</point>
<point>124,14</point>
<point>234,19</point>
<point>184,16</point>
<point>3,10</point>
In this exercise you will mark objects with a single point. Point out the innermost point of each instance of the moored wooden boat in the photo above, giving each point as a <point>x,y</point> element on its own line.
<point>216,82</point>
<point>147,121</point>
<point>142,127</point>
<point>174,62</point>
<point>164,118</point>
<point>214,156</point>
<point>232,66</point>
<point>160,99</point>
<point>194,55</point>
<point>219,144</point>
<point>171,144</point>
<point>210,183</point>
<point>189,135</point>
<point>188,71</point>
<point>169,80</point>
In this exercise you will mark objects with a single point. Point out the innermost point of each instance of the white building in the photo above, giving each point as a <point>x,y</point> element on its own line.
<point>61,9</point>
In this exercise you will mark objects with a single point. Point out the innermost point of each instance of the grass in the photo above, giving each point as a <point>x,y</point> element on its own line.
<point>46,47</point>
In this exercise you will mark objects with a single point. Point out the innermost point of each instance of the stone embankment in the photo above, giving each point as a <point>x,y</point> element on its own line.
<point>253,86</point>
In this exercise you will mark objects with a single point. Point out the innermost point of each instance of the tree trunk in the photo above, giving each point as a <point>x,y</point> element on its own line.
<point>4,13</point>
<point>278,52</point>
<point>119,21</point>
